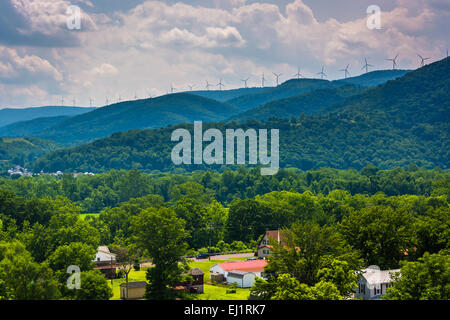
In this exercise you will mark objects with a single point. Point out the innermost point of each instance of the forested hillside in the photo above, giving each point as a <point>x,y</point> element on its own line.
<point>140,114</point>
<point>314,102</point>
<point>296,87</point>
<point>9,115</point>
<point>403,121</point>
<point>30,127</point>
<point>18,151</point>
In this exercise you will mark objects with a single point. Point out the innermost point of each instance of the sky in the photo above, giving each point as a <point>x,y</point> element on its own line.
<point>128,49</point>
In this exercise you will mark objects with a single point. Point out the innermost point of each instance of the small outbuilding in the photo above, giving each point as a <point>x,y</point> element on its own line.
<point>198,275</point>
<point>133,290</point>
<point>242,279</point>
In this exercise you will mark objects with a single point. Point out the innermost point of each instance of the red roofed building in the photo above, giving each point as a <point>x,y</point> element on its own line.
<point>253,267</point>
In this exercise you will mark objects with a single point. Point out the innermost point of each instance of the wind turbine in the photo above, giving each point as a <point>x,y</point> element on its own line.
<point>191,86</point>
<point>394,62</point>
<point>120,99</point>
<point>135,96</point>
<point>207,85</point>
<point>107,101</point>
<point>422,60</point>
<point>298,74</point>
<point>263,79</point>
<point>366,65</point>
<point>277,76</point>
<point>321,73</point>
<point>245,81</point>
<point>220,84</point>
<point>62,101</point>
<point>73,101</point>
<point>346,71</point>
<point>90,102</point>
<point>172,89</point>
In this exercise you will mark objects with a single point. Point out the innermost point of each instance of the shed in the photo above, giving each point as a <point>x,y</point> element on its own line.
<point>133,290</point>
<point>243,279</point>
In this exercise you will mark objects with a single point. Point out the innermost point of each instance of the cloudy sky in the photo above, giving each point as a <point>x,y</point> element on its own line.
<point>140,48</point>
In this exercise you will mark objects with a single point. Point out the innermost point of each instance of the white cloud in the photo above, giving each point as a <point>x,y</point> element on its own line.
<point>155,44</point>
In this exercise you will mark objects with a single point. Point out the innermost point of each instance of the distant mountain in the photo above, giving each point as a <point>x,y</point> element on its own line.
<point>140,114</point>
<point>224,95</point>
<point>402,121</point>
<point>9,115</point>
<point>313,102</point>
<point>374,78</point>
<point>287,89</point>
<point>18,151</point>
<point>296,87</point>
<point>31,127</point>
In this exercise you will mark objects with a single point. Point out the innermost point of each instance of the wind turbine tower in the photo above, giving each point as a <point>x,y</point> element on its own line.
<point>298,74</point>
<point>263,80</point>
<point>321,73</point>
<point>394,62</point>
<point>277,76</point>
<point>366,65</point>
<point>220,84</point>
<point>422,60</point>
<point>207,85</point>
<point>245,82</point>
<point>345,71</point>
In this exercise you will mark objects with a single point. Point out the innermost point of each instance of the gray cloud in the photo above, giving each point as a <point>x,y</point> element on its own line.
<point>142,47</point>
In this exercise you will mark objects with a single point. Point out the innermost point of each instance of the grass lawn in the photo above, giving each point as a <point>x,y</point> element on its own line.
<point>211,291</point>
<point>217,291</point>
<point>133,276</point>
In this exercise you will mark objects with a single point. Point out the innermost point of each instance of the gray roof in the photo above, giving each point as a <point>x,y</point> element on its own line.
<point>196,272</point>
<point>374,276</point>
<point>134,284</point>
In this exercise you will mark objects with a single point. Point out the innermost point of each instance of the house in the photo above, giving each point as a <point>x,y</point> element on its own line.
<point>374,283</point>
<point>133,290</point>
<point>243,273</point>
<point>264,248</point>
<point>242,279</point>
<point>104,255</point>
<point>105,261</point>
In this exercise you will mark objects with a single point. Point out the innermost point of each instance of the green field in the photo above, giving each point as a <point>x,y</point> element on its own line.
<point>211,291</point>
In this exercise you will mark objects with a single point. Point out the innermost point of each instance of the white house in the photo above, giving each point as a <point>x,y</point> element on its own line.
<point>374,283</point>
<point>264,248</point>
<point>104,255</point>
<point>243,273</point>
<point>243,279</point>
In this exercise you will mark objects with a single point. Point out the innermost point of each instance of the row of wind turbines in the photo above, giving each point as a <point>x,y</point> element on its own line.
<point>298,75</point>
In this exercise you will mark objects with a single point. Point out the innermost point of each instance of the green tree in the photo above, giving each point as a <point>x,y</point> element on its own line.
<point>77,254</point>
<point>426,279</point>
<point>21,278</point>
<point>161,234</point>
<point>381,234</point>
<point>93,286</point>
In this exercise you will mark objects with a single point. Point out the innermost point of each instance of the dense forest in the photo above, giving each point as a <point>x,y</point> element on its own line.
<point>407,211</point>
